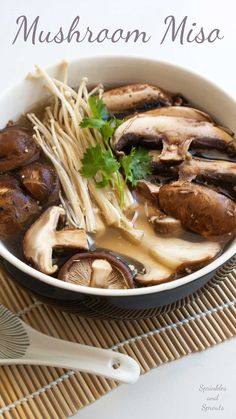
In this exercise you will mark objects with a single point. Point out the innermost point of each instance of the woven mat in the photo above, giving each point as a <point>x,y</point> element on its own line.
<point>40,392</point>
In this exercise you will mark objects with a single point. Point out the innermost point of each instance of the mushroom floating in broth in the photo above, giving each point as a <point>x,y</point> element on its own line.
<point>42,237</point>
<point>98,270</point>
<point>125,100</point>
<point>16,207</point>
<point>17,148</point>
<point>89,187</point>
<point>41,181</point>
<point>199,208</point>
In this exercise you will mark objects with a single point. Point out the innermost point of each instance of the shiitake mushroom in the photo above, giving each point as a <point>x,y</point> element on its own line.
<point>41,181</point>
<point>17,148</point>
<point>88,270</point>
<point>199,208</point>
<point>16,207</point>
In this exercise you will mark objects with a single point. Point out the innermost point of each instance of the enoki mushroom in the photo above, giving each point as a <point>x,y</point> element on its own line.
<point>64,143</point>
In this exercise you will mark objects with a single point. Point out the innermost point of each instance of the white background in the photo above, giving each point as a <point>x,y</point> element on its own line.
<point>170,391</point>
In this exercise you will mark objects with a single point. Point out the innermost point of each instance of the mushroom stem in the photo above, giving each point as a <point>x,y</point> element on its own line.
<point>70,238</point>
<point>42,237</point>
<point>101,270</point>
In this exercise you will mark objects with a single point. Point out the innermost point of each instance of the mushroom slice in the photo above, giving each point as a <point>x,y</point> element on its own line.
<point>16,207</point>
<point>181,111</point>
<point>156,274</point>
<point>200,209</point>
<point>174,133</point>
<point>166,226</point>
<point>17,148</point>
<point>178,254</point>
<point>43,236</point>
<point>148,189</point>
<point>217,172</point>
<point>97,269</point>
<point>41,181</point>
<point>124,100</point>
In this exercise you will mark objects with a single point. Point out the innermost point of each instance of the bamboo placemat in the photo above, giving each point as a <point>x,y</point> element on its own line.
<point>40,392</point>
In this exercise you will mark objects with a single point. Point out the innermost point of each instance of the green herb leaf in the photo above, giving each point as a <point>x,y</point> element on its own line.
<point>92,123</point>
<point>97,161</point>
<point>136,165</point>
<point>98,108</point>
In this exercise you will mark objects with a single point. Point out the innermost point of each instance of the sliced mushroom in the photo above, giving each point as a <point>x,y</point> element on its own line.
<point>148,189</point>
<point>92,269</point>
<point>217,172</point>
<point>174,133</point>
<point>199,209</point>
<point>178,254</point>
<point>17,148</point>
<point>156,274</point>
<point>124,100</point>
<point>181,111</point>
<point>167,226</point>
<point>41,181</point>
<point>16,207</point>
<point>43,236</point>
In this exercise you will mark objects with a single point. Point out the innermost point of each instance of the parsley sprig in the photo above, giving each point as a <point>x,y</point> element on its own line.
<point>100,162</point>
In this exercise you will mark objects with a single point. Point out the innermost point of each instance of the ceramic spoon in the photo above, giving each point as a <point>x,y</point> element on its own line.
<point>21,344</point>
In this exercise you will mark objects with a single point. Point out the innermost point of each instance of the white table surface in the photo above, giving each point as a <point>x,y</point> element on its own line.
<point>171,390</point>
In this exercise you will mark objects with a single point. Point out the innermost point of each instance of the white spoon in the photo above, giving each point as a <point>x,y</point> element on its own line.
<point>20,344</point>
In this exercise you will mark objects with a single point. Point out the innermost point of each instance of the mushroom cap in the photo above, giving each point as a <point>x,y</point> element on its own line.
<point>124,100</point>
<point>16,207</point>
<point>41,181</point>
<point>166,226</point>
<point>17,148</point>
<point>78,270</point>
<point>200,209</point>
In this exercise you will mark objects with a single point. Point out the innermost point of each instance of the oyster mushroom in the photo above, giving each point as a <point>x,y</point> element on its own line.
<point>41,181</point>
<point>200,209</point>
<point>221,173</point>
<point>16,207</point>
<point>17,148</point>
<point>175,134</point>
<point>43,236</point>
<point>124,100</point>
<point>97,269</point>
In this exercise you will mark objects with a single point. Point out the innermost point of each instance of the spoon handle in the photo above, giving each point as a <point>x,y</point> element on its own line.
<point>49,351</point>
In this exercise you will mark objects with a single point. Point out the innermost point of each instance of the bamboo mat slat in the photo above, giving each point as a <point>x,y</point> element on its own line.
<point>29,392</point>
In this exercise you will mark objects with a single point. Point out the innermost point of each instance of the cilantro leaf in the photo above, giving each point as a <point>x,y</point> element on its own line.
<point>136,165</point>
<point>92,123</point>
<point>98,108</point>
<point>99,162</point>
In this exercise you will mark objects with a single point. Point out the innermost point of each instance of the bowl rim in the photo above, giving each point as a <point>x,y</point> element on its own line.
<point>215,264</point>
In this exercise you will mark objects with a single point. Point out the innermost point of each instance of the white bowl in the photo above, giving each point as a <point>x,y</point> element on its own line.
<point>122,70</point>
